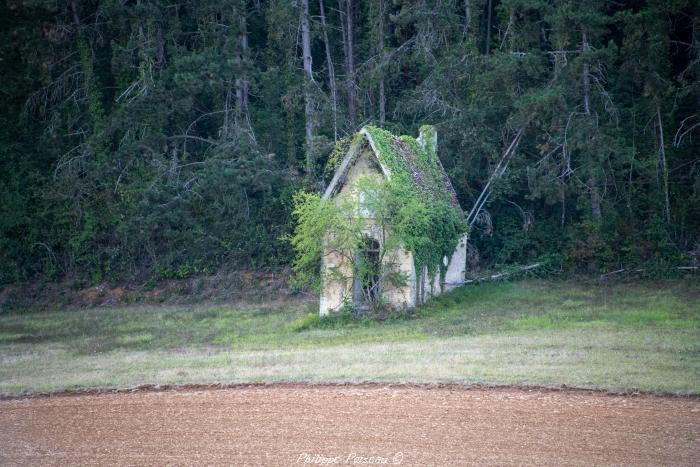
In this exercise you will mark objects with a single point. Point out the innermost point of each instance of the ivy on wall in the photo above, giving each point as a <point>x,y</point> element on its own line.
<point>424,215</point>
<point>412,208</point>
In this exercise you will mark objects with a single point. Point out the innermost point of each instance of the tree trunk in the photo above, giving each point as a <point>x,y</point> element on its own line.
<point>628,197</point>
<point>76,17</point>
<point>596,211</point>
<point>467,18</point>
<point>562,199</point>
<point>227,125</point>
<point>308,83</point>
<point>380,37</point>
<point>86,55</point>
<point>488,26</point>
<point>331,72</point>
<point>586,77</point>
<point>242,85</point>
<point>663,166</point>
<point>347,26</point>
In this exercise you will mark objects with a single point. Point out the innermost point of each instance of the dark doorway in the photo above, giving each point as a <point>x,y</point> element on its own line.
<point>366,286</point>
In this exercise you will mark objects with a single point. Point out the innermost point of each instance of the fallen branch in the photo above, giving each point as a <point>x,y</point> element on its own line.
<point>620,271</point>
<point>497,172</point>
<point>497,276</point>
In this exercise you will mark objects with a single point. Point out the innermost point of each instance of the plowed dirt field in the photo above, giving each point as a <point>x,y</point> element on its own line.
<point>350,425</point>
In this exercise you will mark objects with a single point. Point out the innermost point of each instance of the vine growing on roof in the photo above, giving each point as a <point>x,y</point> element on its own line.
<point>409,209</point>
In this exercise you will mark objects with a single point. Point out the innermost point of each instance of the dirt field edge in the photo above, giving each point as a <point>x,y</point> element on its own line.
<point>466,386</point>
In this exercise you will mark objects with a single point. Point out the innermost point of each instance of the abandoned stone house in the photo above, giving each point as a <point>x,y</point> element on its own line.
<point>364,158</point>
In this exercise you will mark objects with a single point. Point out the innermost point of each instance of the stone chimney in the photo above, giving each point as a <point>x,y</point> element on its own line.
<point>427,140</point>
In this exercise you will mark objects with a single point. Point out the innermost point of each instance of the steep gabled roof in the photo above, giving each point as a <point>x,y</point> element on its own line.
<point>416,158</point>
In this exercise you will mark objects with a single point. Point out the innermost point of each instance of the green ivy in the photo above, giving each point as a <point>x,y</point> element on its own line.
<point>419,217</point>
<point>424,218</point>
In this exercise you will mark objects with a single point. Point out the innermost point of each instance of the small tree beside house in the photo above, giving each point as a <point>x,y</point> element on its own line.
<point>388,233</point>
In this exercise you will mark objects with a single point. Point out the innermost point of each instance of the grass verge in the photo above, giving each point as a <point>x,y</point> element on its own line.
<point>642,336</point>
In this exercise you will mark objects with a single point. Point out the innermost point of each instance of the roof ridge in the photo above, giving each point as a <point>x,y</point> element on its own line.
<point>426,172</point>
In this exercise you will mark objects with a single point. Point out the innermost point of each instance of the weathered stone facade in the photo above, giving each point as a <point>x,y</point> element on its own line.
<point>362,161</point>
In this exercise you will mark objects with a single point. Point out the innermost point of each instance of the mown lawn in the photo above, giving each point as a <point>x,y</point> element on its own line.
<point>642,336</point>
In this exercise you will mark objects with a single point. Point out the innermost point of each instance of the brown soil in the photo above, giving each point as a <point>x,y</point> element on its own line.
<point>351,425</point>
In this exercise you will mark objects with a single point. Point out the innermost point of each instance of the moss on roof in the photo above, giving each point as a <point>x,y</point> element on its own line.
<point>427,217</point>
<point>406,158</point>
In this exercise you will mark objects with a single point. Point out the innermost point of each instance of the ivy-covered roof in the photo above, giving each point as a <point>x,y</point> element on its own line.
<point>413,159</point>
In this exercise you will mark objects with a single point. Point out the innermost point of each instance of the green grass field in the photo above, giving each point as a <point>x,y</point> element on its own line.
<point>641,336</point>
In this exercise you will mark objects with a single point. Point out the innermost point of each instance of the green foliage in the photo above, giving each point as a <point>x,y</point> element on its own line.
<point>341,320</point>
<point>146,139</point>
<point>398,212</point>
<point>336,157</point>
<point>421,214</point>
<point>317,221</point>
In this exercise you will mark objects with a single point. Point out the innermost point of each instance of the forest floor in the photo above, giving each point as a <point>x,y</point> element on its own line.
<point>351,424</point>
<point>623,337</point>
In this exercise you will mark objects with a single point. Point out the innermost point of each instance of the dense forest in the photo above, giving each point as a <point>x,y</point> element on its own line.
<point>161,139</point>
